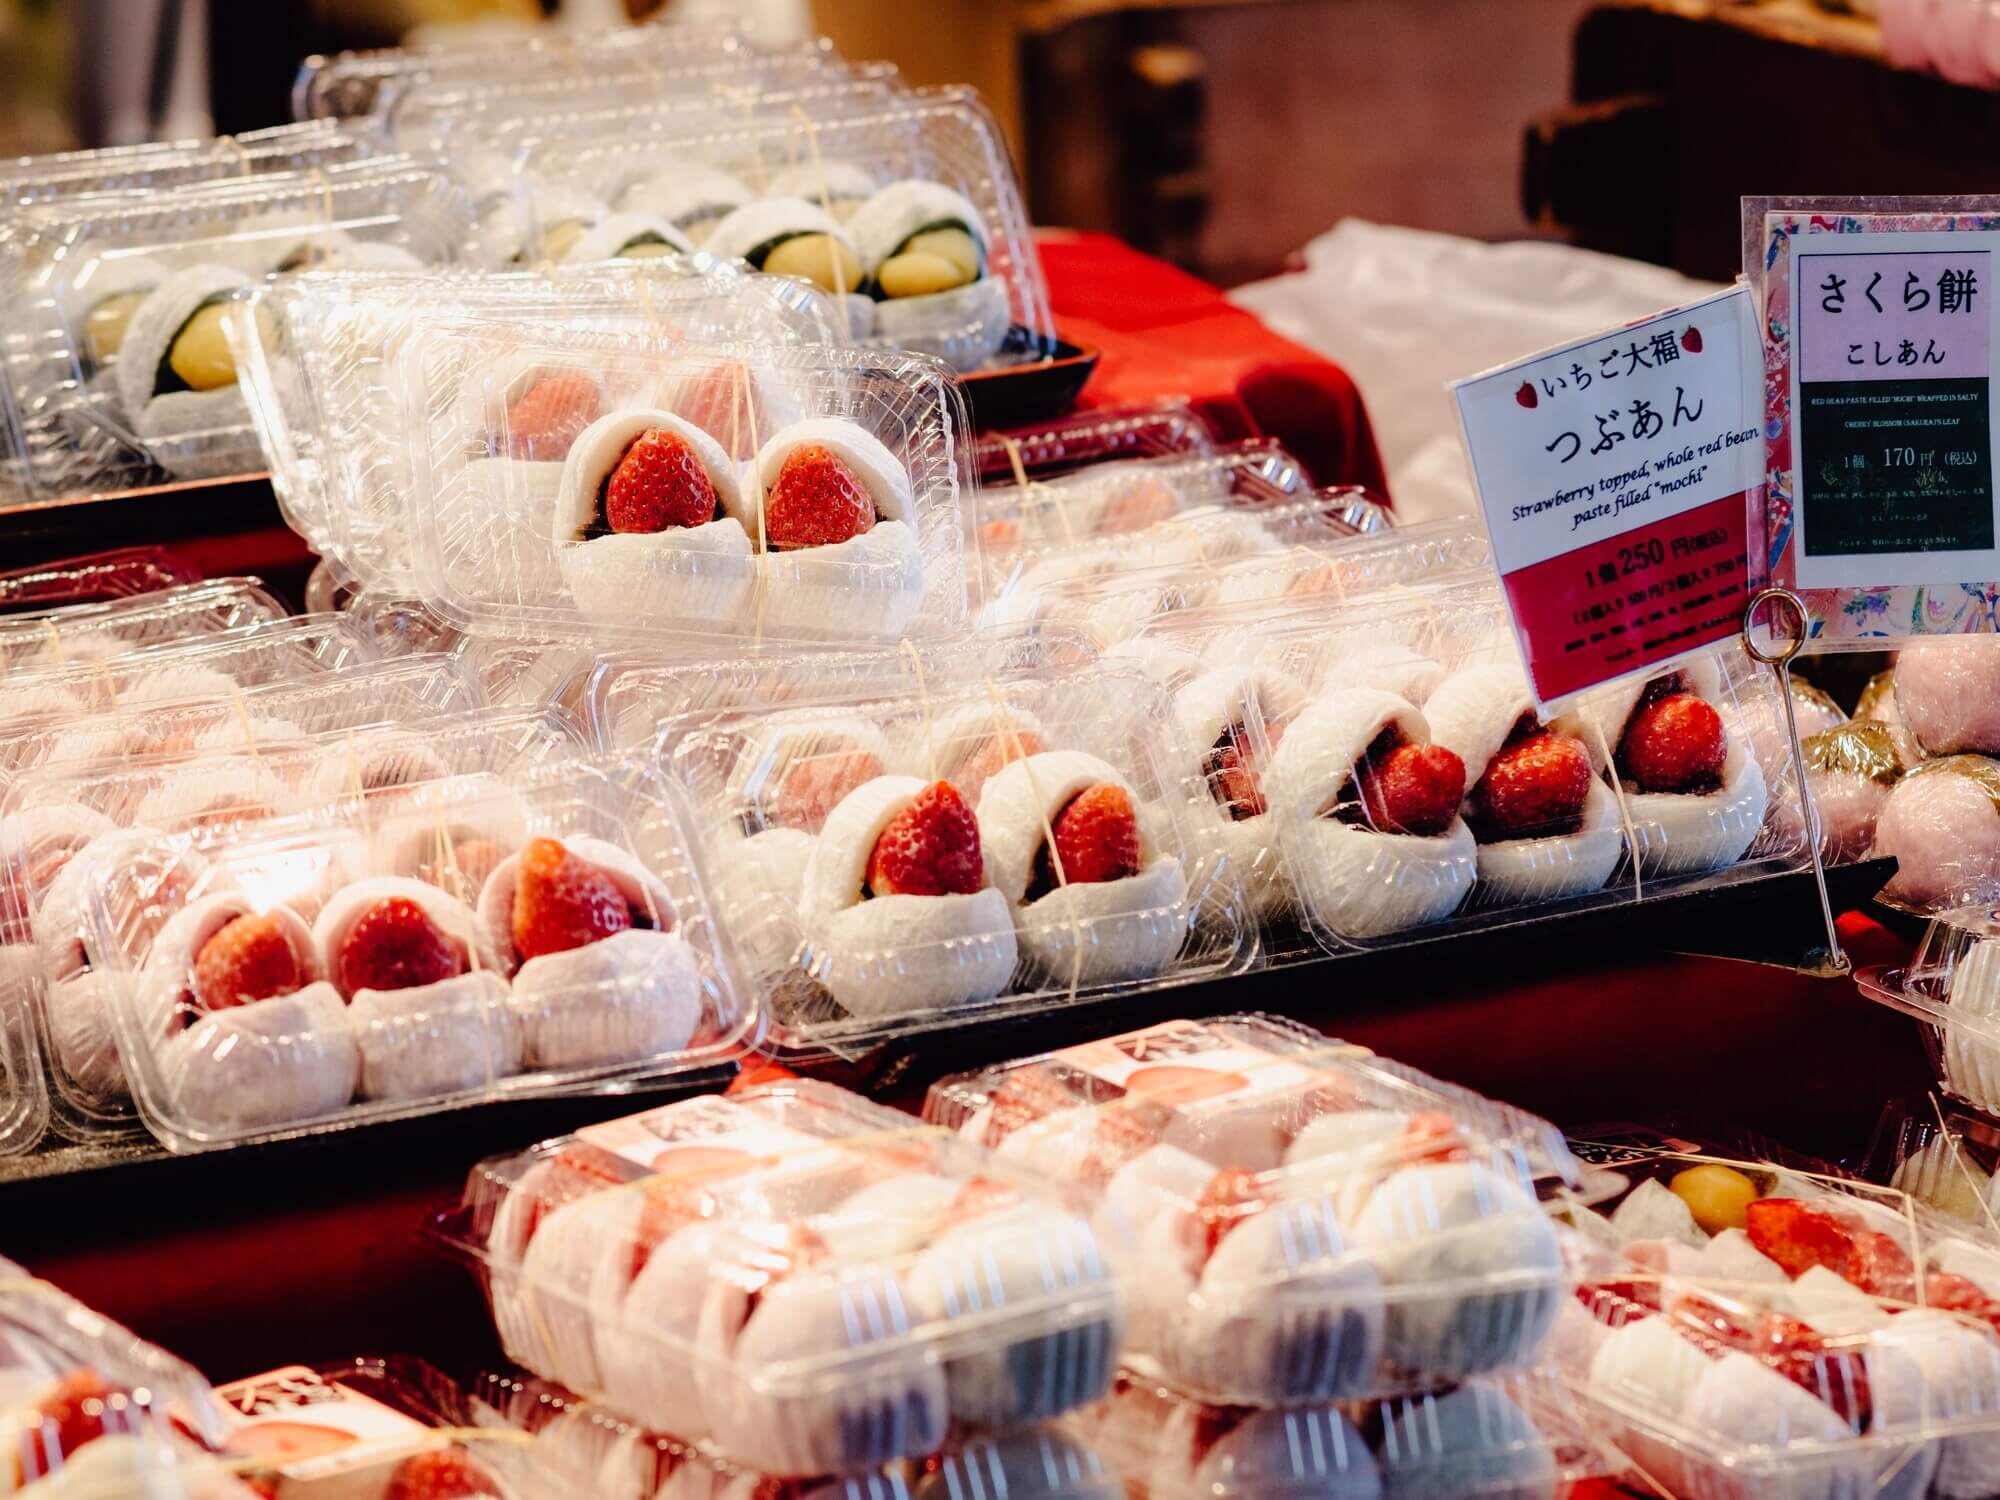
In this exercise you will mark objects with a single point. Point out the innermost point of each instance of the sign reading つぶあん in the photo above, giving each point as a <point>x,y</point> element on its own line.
<point>1616,474</point>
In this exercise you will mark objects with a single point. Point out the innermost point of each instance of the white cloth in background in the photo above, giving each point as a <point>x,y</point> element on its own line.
<point>1406,310</point>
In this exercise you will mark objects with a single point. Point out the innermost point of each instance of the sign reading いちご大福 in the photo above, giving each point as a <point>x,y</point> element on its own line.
<point>1617,475</point>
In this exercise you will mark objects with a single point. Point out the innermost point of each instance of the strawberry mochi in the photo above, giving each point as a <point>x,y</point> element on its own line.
<point>896,905</point>
<point>242,1028</point>
<point>841,555</point>
<point>429,1012</point>
<point>1213,713</point>
<point>1107,903</point>
<point>651,519</point>
<point>1367,812</point>
<point>1546,826</point>
<point>598,976</point>
<point>1693,790</point>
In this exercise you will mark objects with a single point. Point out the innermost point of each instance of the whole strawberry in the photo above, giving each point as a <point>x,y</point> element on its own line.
<point>817,502</point>
<point>1674,743</point>
<point>545,419</point>
<point>1537,784</point>
<point>250,959</point>
<point>396,946</point>
<point>440,1474</point>
<point>562,902</point>
<point>1097,836</point>
<point>930,848</point>
<point>659,484</point>
<point>1412,789</point>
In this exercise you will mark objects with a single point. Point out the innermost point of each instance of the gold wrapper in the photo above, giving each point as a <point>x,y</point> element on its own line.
<point>1880,692</point>
<point>1860,747</point>
<point>1978,769</point>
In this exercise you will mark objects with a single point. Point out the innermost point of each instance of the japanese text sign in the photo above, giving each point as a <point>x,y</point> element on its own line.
<point>1893,419</point>
<point>1616,475</point>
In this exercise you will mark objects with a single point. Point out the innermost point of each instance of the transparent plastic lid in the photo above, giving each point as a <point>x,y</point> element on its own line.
<point>1952,985</point>
<point>1307,1222</point>
<point>87,1404</point>
<point>578,1443</point>
<point>1497,1438</point>
<point>803,1281</point>
<point>934,255</point>
<point>1944,1157</point>
<point>1743,1329</point>
<point>90,632</point>
<point>1941,822</point>
<point>958,850</point>
<point>1093,436</point>
<point>581,487</point>
<point>631,698</point>
<point>395,1427</point>
<point>1376,767</point>
<point>77,174</point>
<point>96,578</point>
<point>119,376</point>
<point>322,365</point>
<point>428,945</point>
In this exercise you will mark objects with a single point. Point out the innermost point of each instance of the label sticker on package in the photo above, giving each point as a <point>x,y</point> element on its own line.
<point>1616,474</point>
<point>702,1138</point>
<point>309,1428</point>
<point>1183,1063</point>
<point>1893,413</point>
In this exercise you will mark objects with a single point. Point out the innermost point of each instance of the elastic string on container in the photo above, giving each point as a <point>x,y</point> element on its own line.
<point>909,649</point>
<point>825,201</point>
<point>235,146</point>
<point>108,682</point>
<point>1035,490</point>
<point>1624,809</point>
<point>756,488</point>
<point>1004,723</point>
<point>243,719</point>
<point>54,637</point>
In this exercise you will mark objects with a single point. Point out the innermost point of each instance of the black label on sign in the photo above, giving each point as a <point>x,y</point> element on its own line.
<point>1895,466</point>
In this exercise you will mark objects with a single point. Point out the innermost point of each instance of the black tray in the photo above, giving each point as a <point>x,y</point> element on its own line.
<point>1009,395</point>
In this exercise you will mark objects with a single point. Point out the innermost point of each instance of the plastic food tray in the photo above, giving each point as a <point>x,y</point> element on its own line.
<point>1952,985</point>
<point>99,630</point>
<point>285,148</point>
<point>69,430</point>
<point>806,1282</point>
<point>483,525</point>
<point>798,801</point>
<point>1093,437</point>
<point>1308,1222</point>
<point>526,983</point>
<point>95,579</point>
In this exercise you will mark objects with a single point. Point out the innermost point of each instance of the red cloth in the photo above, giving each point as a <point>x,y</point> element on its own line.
<point>1165,333</point>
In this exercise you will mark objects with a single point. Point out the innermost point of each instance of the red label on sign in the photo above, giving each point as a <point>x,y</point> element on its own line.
<point>1631,600</point>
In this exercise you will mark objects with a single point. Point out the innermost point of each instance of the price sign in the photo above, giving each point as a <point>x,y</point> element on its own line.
<point>1893,442</point>
<point>1616,475</point>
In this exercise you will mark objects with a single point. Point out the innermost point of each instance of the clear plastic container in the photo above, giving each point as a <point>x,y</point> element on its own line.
<point>801,1280</point>
<point>1504,1438</point>
<point>580,1446</point>
<point>102,629</point>
<point>936,157</point>
<point>1097,435</point>
<point>1377,767</point>
<point>394,1427</point>
<point>469,938</point>
<point>1946,1158</point>
<point>97,578</point>
<point>1952,985</point>
<point>322,371</point>
<point>365,82</point>
<point>630,698</point>
<point>1307,1222</point>
<point>78,174</point>
<point>847,527</point>
<point>91,1410</point>
<point>1743,1330</point>
<point>957,850</point>
<point>156,271</point>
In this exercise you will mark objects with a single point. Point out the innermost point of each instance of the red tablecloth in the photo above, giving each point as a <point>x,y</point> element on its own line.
<point>1165,333</point>
<point>280,1267</point>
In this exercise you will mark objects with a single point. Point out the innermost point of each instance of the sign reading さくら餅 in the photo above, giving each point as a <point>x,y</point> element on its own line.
<point>1616,474</point>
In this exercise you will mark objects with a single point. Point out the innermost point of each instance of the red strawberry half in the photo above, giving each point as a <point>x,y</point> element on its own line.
<point>1536,785</point>
<point>250,959</point>
<point>1097,839</point>
<point>1232,1196</point>
<point>562,902</point>
<point>545,419</point>
<point>1674,743</point>
<point>1235,779</point>
<point>1025,1095</point>
<point>658,484</point>
<point>816,502</point>
<point>930,848</point>
<point>440,1474</point>
<point>1400,787</point>
<point>396,946</point>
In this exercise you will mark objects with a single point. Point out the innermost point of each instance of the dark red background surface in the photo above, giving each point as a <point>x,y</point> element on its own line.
<point>261,1259</point>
